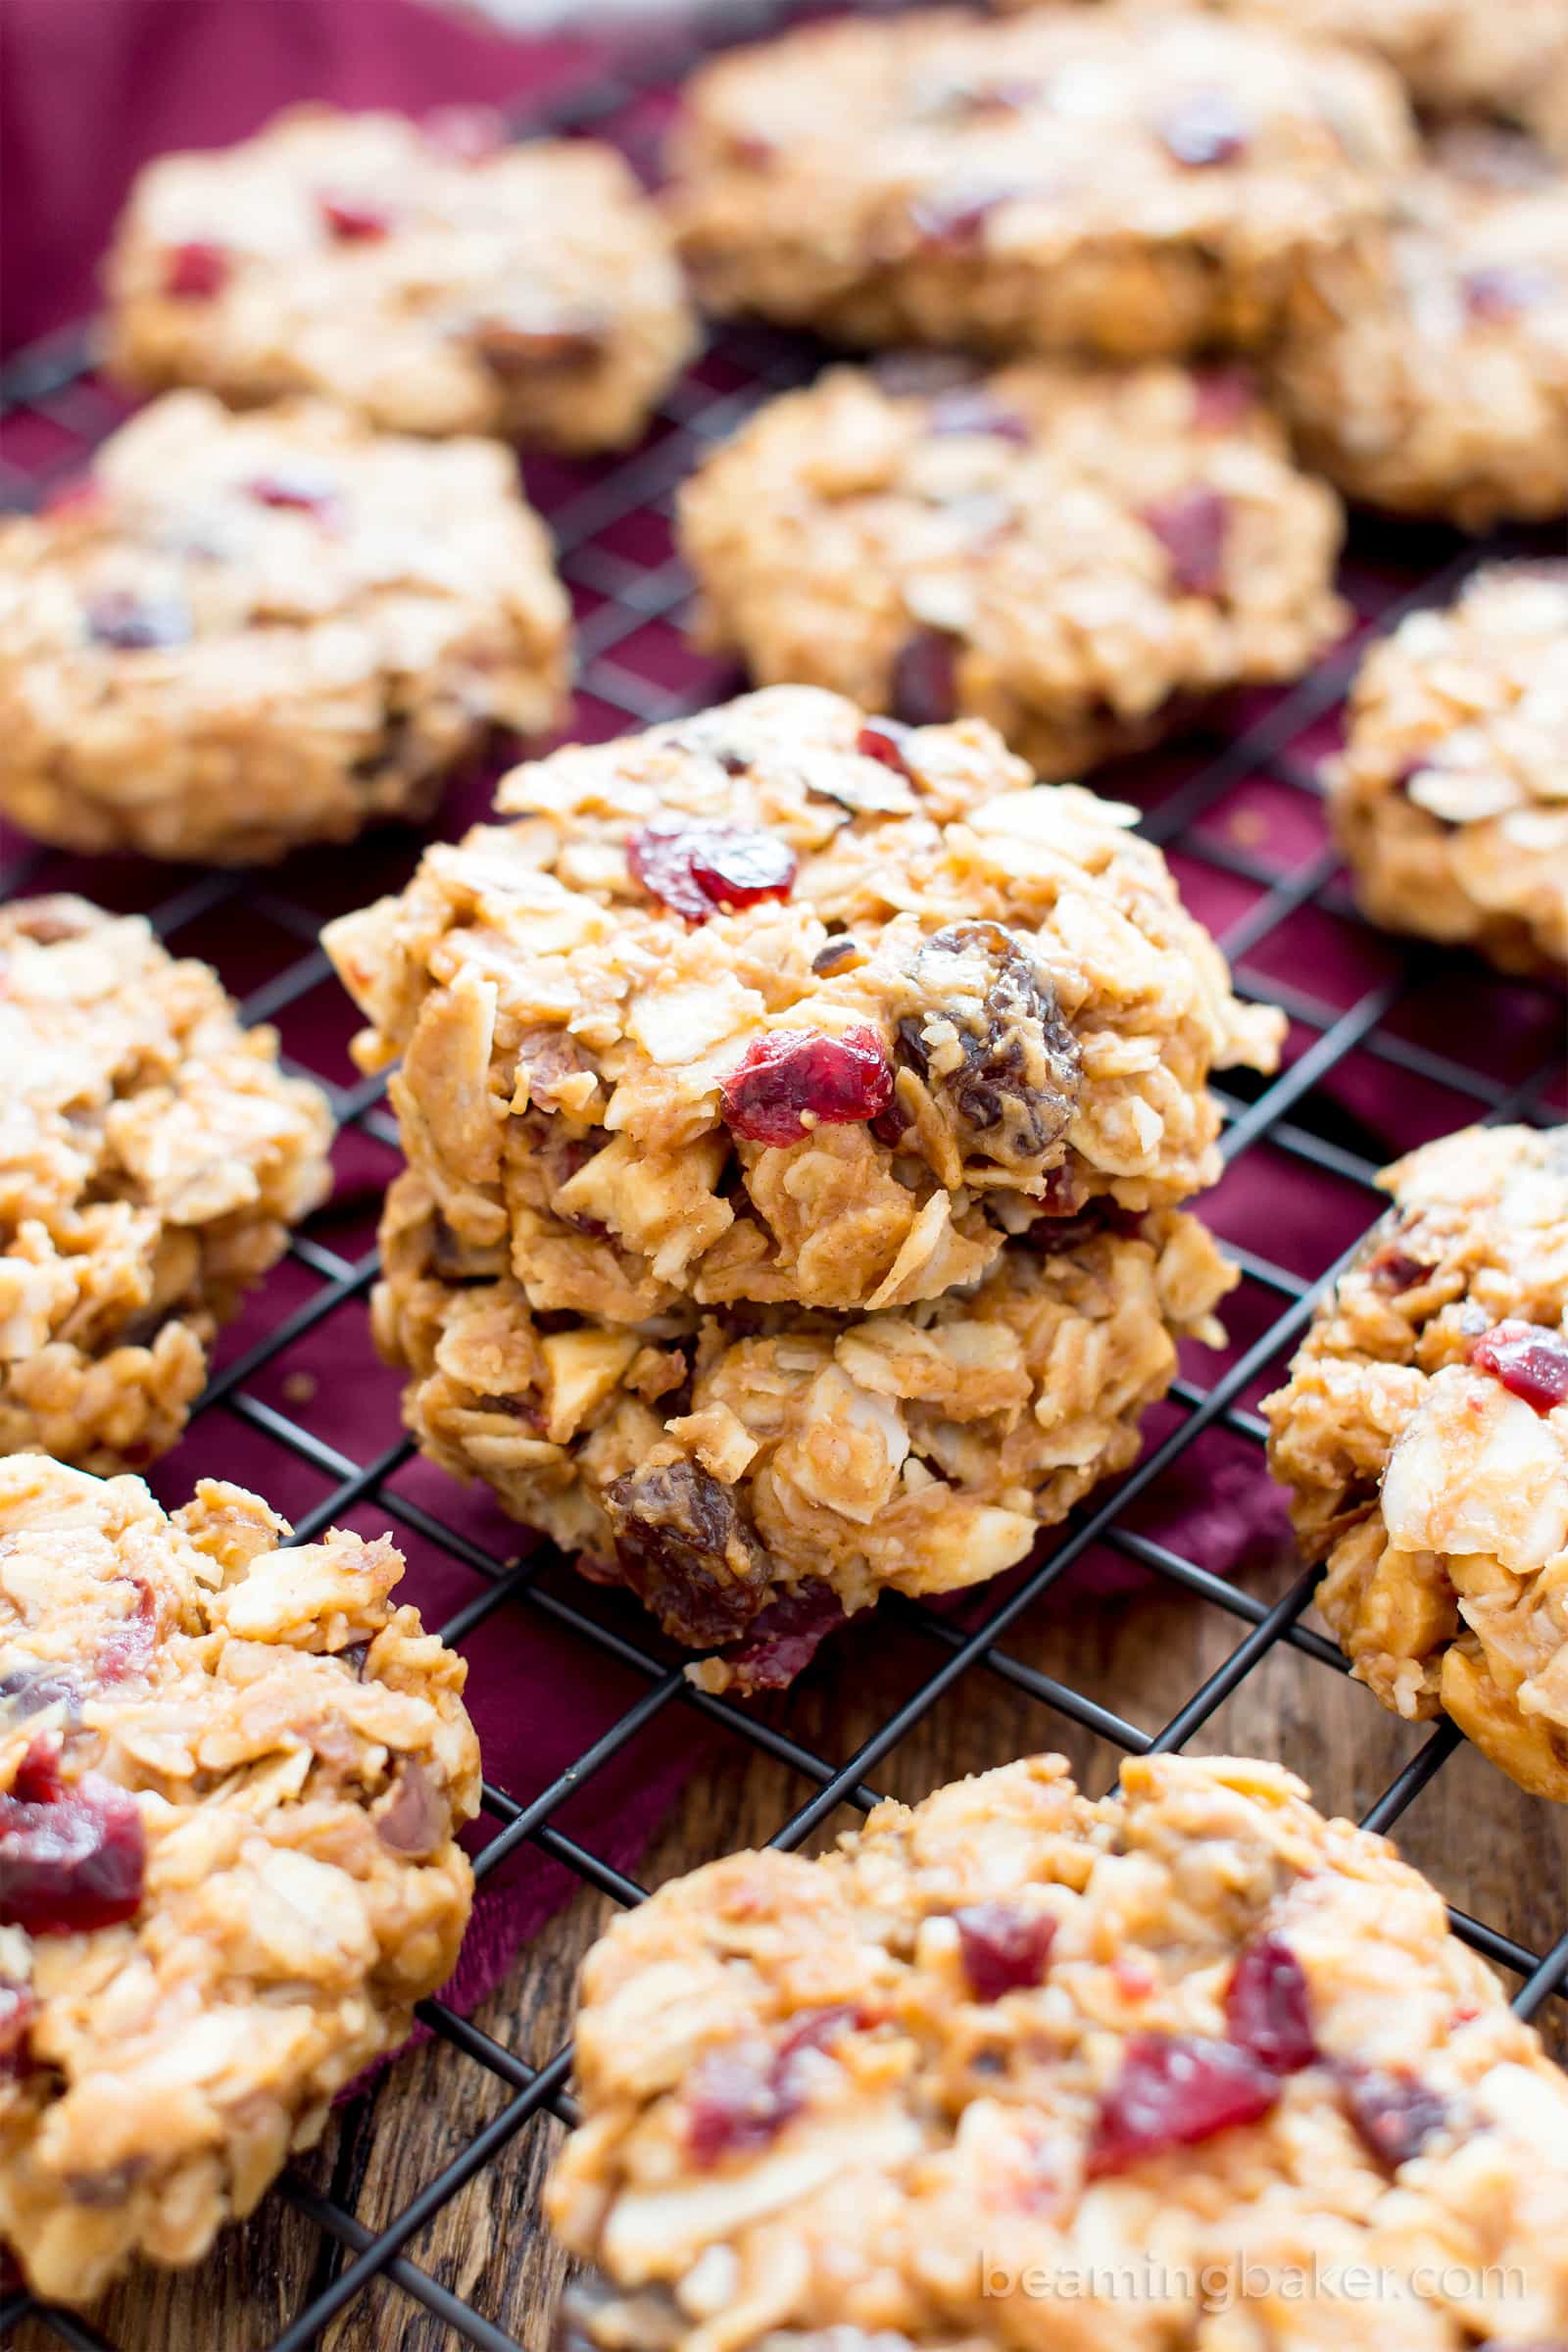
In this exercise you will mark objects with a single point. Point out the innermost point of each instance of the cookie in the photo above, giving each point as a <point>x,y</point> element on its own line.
<point>1426,372</point>
<point>1450,801</point>
<point>1077,553</point>
<point>1424,1434</point>
<point>1455,57</point>
<point>424,273</point>
<point>790,1006</point>
<point>754,1476</point>
<point>1127,181</point>
<point>152,1160</point>
<point>230,1781</point>
<point>1189,2066</point>
<point>244,633</point>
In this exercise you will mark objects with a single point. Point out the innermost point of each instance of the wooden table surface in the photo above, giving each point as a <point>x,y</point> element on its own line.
<point>1493,1850</point>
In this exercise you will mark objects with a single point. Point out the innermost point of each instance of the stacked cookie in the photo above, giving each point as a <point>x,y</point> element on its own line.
<point>798,1107</point>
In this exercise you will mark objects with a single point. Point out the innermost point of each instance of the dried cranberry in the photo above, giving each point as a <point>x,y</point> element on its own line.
<point>696,868</point>
<point>196,272</point>
<point>885,739</point>
<point>795,1079</point>
<point>1395,2114</point>
<point>1204,128</point>
<point>740,2099</point>
<point>136,624</point>
<point>1175,2089</point>
<point>1528,1360</point>
<point>355,219</point>
<point>303,488</point>
<point>1002,1951</point>
<point>465,134</point>
<point>954,221</point>
<point>70,1858</point>
<point>784,1638</point>
<point>16,2011</point>
<point>1266,2008</point>
<point>1503,290</point>
<point>971,409</point>
<point>925,680</point>
<point>1191,527</point>
<point>128,1650</point>
<point>1222,397</point>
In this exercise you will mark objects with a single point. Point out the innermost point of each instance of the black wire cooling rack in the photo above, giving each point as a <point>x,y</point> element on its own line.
<point>1454,1034</point>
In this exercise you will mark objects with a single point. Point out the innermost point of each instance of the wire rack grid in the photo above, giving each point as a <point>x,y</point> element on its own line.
<point>1215,804</point>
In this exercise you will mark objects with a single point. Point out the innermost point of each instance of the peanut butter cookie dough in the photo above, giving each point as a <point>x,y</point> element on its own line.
<point>1426,370</point>
<point>786,1004</point>
<point>152,1160</point>
<point>1137,182</point>
<point>426,274</point>
<point>1424,1432</point>
<point>1455,57</point>
<point>1450,801</point>
<point>244,633</point>
<point>1073,553</point>
<point>230,1781</point>
<point>754,1476</point>
<point>1192,2066</point>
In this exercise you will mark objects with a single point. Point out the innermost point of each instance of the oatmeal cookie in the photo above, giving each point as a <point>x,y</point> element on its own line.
<point>244,633</point>
<point>1130,182</point>
<point>152,1160</point>
<point>1073,553</point>
<point>1424,1434</point>
<point>425,274</point>
<point>1014,2069</point>
<point>1426,372</point>
<point>1455,57</point>
<point>230,1779</point>
<point>1450,801</point>
<point>785,1004</point>
<point>754,1476</point>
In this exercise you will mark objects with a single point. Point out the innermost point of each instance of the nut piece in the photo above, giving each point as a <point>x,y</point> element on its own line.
<point>432,287</point>
<point>1424,1434</point>
<point>231,1778</point>
<point>1450,801</point>
<point>1076,553</point>
<point>154,1159</point>
<point>245,633</point>
<point>983,2057</point>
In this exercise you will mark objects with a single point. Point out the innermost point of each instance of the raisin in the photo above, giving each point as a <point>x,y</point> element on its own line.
<point>683,1548</point>
<point>925,680</point>
<point>419,1819</point>
<point>515,347</point>
<point>1014,1084</point>
<point>16,2011</point>
<point>1192,528</point>
<point>1395,2114</point>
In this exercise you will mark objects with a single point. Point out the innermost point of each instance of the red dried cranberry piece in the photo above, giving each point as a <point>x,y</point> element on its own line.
<point>1002,1951</point>
<point>696,868</point>
<point>128,1650</point>
<point>1191,527</point>
<point>740,2100</point>
<point>1175,2089</point>
<point>1503,291</point>
<point>196,272</point>
<point>355,219</point>
<point>1267,2011</point>
<point>795,1079</point>
<point>784,1638</point>
<point>971,409</point>
<point>954,221</point>
<point>465,134</point>
<point>1395,2114</point>
<point>16,2011</point>
<point>1204,128</point>
<point>885,739</point>
<point>925,680</point>
<point>136,624</point>
<point>1222,397</point>
<point>301,487</point>
<point>70,1858</point>
<point>1528,1360</point>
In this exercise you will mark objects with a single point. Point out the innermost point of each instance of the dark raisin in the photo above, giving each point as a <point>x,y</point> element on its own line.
<point>683,1548</point>
<point>1392,1269</point>
<point>29,1690</point>
<point>1011,1073</point>
<point>1192,528</point>
<point>835,956</point>
<point>1002,1950</point>
<point>1266,2007</point>
<point>516,347</point>
<point>926,678</point>
<point>1395,2114</point>
<point>16,2011</point>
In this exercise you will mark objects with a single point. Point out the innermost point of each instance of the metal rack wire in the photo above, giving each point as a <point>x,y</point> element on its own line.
<point>612,529</point>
